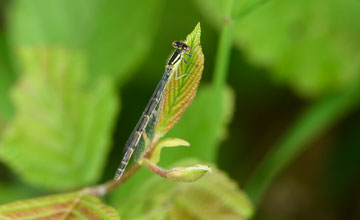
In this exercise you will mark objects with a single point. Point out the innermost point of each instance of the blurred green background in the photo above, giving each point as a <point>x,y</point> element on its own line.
<point>75,76</point>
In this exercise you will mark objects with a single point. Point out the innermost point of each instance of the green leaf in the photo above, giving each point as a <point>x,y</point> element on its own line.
<point>166,142</point>
<point>180,93</point>
<point>296,42</point>
<point>115,34</point>
<point>202,126</point>
<point>215,196</point>
<point>76,205</point>
<point>59,137</point>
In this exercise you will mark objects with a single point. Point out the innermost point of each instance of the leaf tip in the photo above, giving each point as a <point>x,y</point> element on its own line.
<point>198,26</point>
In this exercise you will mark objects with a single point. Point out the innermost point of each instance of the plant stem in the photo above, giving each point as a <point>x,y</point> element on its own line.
<point>221,68</point>
<point>315,120</point>
<point>223,51</point>
<point>105,188</point>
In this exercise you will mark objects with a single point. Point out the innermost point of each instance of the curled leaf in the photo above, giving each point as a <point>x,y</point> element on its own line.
<point>167,142</point>
<point>180,93</point>
<point>76,205</point>
<point>188,174</point>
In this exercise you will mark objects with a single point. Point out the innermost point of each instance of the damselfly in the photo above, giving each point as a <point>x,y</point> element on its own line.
<point>181,48</point>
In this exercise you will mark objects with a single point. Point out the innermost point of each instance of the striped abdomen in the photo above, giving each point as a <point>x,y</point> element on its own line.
<point>135,136</point>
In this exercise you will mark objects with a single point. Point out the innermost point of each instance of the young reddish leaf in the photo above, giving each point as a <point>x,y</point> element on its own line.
<point>180,93</point>
<point>73,206</point>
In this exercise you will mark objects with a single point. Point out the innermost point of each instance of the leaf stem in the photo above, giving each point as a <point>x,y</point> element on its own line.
<point>314,121</point>
<point>155,169</point>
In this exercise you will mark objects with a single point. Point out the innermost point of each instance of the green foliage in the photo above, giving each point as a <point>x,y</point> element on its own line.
<point>57,116</point>
<point>200,117</point>
<point>310,45</point>
<point>115,35</point>
<point>299,46</point>
<point>76,205</point>
<point>297,43</point>
<point>214,196</point>
<point>204,144</point>
<point>59,138</point>
<point>310,124</point>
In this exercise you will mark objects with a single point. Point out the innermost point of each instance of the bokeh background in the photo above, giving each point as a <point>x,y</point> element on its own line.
<point>293,84</point>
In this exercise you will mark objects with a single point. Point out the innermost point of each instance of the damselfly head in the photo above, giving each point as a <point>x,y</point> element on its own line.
<point>181,46</point>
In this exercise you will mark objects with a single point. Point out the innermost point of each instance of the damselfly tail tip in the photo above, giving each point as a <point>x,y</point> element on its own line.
<point>118,175</point>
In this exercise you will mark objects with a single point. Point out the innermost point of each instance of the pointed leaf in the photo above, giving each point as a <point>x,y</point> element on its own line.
<point>180,93</point>
<point>167,142</point>
<point>64,206</point>
<point>59,137</point>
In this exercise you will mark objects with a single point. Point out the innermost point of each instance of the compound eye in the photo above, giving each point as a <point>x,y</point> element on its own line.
<point>175,44</point>
<point>187,49</point>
